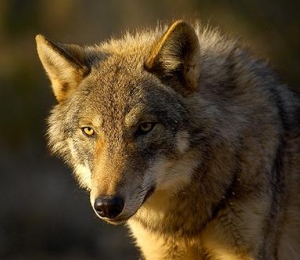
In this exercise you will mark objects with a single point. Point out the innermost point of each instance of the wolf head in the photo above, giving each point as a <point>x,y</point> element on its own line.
<point>121,120</point>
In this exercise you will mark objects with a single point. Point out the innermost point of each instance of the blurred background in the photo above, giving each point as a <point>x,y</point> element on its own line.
<point>43,214</point>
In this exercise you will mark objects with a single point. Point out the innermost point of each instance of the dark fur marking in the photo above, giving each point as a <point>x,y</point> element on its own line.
<point>65,87</point>
<point>277,178</point>
<point>228,194</point>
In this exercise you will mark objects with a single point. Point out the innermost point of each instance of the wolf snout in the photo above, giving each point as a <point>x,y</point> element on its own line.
<point>109,206</point>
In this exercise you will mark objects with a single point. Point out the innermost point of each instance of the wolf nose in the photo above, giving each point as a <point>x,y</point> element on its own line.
<point>108,206</point>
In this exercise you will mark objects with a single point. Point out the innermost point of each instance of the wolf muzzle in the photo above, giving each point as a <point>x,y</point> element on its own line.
<point>109,207</point>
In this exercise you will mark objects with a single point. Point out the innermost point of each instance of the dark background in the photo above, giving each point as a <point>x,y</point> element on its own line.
<point>43,214</point>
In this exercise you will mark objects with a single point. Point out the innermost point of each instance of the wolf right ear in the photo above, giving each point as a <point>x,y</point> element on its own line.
<point>64,63</point>
<point>175,57</point>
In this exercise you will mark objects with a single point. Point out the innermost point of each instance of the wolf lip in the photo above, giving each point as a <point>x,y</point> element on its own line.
<point>149,193</point>
<point>116,221</point>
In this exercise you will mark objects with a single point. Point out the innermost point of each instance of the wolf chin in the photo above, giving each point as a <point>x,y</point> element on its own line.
<point>185,136</point>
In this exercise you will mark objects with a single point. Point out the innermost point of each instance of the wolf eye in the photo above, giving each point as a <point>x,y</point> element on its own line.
<point>88,131</point>
<point>145,128</point>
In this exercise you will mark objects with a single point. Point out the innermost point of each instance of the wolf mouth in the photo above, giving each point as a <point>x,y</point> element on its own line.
<point>149,193</point>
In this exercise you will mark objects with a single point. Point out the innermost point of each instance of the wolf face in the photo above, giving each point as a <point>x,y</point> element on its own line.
<point>121,120</point>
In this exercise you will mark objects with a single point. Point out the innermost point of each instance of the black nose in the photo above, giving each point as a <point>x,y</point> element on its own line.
<point>109,206</point>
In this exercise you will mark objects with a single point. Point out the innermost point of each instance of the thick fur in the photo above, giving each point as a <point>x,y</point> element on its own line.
<point>216,173</point>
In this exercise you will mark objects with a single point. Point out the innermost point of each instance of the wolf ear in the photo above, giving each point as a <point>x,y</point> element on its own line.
<point>64,63</point>
<point>176,56</point>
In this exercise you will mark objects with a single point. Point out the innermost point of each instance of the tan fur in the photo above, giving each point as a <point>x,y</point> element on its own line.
<point>191,140</point>
<point>63,76</point>
<point>182,139</point>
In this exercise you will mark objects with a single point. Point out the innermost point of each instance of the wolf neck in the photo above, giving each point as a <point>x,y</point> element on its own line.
<point>168,213</point>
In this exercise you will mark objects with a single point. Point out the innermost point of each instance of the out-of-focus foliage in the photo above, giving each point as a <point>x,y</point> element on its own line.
<point>43,215</point>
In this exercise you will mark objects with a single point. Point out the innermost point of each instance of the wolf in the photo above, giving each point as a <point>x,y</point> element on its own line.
<point>182,134</point>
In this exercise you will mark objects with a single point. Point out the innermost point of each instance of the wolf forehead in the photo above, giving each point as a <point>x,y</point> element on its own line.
<point>120,82</point>
<point>118,77</point>
<point>127,99</point>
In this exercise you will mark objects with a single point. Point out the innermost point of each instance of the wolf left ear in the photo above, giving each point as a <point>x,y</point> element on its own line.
<point>64,63</point>
<point>175,57</point>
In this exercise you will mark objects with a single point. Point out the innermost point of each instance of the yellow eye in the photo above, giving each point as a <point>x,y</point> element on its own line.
<point>145,128</point>
<point>88,131</point>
